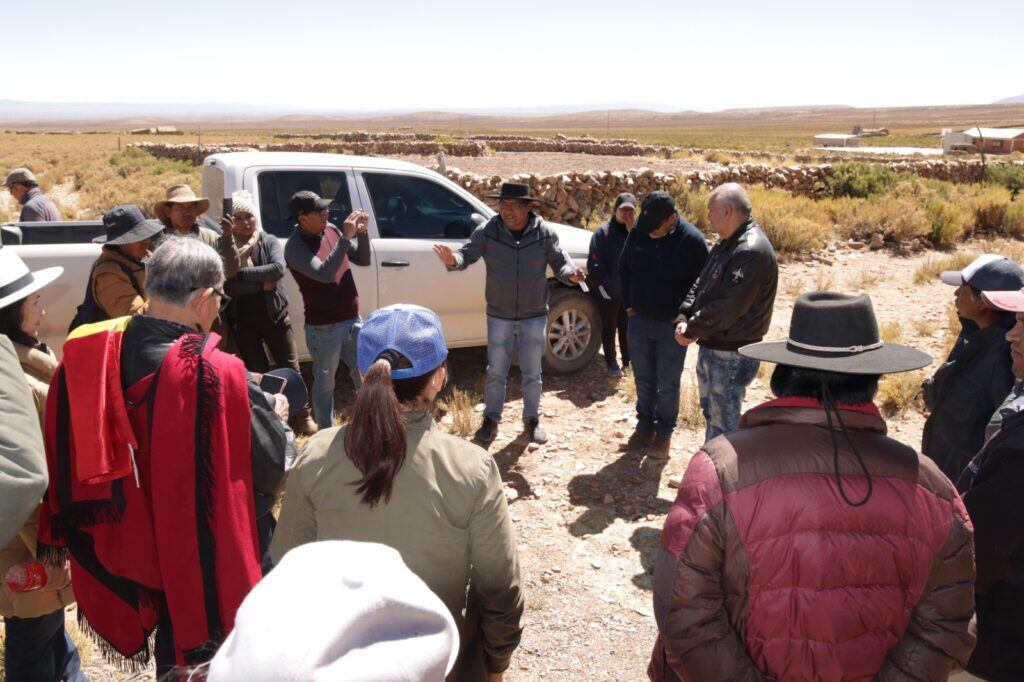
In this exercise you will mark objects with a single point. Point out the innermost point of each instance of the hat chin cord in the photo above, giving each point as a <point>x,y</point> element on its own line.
<point>830,406</point>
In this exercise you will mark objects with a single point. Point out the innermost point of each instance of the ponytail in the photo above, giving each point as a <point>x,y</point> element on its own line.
<point>376,437</point>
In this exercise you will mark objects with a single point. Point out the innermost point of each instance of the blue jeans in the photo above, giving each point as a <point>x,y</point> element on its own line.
<point>330,344</point>
<point>657,367</point>
<point>723,377</point>
<point>529,338</point>
<point>40,650</point>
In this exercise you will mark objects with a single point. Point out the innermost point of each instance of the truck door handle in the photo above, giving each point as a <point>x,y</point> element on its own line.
<point>395,264</point>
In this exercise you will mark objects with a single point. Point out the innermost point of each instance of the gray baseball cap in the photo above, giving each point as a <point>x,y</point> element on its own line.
<point>19,175</point>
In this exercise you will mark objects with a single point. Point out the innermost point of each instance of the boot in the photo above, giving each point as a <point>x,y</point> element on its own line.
<point>303,425</point>
<point>535,431</point>
<point>660,448</point>
<point>487,432</point>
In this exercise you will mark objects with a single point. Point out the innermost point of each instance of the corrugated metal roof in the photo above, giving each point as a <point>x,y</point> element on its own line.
<point>835,136</point>
<point>995,133</point>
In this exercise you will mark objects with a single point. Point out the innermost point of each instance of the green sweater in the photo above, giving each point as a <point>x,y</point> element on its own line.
<point>447,517</point>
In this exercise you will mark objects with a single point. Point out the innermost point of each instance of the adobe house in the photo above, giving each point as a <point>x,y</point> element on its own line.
<point>997,140</point>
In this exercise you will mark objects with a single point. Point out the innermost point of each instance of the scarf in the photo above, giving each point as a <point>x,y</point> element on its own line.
<point>169,523</point>
<point>245,247</point>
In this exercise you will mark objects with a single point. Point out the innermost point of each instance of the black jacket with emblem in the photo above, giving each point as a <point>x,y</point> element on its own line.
<point>730,305</point>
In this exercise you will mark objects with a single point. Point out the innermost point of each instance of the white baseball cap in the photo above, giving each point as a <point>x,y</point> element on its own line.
<point>339,610</point>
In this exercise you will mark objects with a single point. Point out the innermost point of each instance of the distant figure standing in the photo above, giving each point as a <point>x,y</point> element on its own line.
<point>603,269</point>
<point>180,211</point>
<point>517,247</point>
<point>320,257</point>
<point>660,261</point>
<point>35,206</point>
<point>729,306</point>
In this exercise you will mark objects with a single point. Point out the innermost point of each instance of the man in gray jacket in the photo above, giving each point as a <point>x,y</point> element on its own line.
<point>517,246</point>
<point>22,461</point>
<point>35,206</point>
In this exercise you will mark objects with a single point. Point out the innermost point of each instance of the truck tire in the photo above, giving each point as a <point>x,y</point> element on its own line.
<point>574,331</point>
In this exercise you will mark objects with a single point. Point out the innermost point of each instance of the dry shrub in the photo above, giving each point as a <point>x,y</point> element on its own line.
<point>690,414</point>
<point>792,224</point>
<point>924,326</point>
<point>864,280</point>
<point>988,208</point>
<point>627,386</point>
<point>932,267</point>
<point>460,405</point>
<point>692,203</point>
<point>1013,220</point>
<point>891,332</point>
<point>897,219</point>
<point>764,373</point>
<point>792,285</point>
<point>899,392</point>
<point>949,222</point>
<point>824,280</point>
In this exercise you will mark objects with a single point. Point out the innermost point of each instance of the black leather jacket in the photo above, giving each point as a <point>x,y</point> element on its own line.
<point>730,304</point>
<point>145,344</point>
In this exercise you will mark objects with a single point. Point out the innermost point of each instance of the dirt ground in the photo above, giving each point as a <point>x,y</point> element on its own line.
<point>588,512</point>
<point>549,163</point>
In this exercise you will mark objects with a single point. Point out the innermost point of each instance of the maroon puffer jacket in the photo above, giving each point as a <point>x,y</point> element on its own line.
<point>765,572</point>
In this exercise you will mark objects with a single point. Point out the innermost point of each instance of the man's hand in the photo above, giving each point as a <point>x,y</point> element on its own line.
<point>269,286</point>
<point>577,277</point>
<point>630,312</point>
<point>681,337</point>
<point>355,223</point>
<point>445,254</point>
<point>227,226</point>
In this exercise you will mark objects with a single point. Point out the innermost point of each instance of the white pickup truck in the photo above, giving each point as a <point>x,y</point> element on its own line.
<point>410,209</point>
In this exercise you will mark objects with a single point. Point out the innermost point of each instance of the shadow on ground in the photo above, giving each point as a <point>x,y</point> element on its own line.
<point>631,481</point>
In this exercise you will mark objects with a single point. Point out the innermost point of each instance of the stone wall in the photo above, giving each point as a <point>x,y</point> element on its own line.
<point>189,152</point>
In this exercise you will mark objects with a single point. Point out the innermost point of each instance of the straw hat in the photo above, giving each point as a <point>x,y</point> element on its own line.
<point>180,194</point>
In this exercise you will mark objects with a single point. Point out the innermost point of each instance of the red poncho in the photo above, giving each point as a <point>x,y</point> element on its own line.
<point>151,492</point>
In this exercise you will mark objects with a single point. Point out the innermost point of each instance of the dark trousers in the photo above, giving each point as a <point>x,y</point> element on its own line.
<point>278,337</point>
<point>657,367</point>
<point>614,318</point>
<point>163,644</point>
<point>40,650</point>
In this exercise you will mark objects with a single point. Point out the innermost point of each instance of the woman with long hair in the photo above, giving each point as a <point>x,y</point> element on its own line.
<point>391,476</point>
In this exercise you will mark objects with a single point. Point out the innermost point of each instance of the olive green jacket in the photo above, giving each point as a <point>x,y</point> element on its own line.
<point>447,517</point>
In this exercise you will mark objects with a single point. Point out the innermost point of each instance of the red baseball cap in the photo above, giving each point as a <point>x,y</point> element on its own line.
<point>1011,301</point>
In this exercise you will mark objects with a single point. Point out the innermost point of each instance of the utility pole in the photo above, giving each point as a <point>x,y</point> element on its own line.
<point>608,124</point>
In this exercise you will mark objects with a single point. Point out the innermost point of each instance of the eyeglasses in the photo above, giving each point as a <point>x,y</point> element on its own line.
<point>224,298</point>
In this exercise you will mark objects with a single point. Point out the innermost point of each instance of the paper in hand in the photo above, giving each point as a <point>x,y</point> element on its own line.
<point>604,294</point>
<point>583,285</point>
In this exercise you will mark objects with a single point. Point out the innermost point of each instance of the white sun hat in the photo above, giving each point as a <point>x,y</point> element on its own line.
<point>17,281</point>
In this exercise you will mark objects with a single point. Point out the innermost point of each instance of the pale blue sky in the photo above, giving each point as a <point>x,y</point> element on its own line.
<point>376,54</point>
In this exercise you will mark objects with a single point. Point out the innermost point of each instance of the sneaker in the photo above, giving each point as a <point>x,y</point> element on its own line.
<point>675,480</point>
<point>303,425</point>
<point>535,431</point>
<point>614,371</point>
<point>487,432</point>
<point>640,439</point>
<point>660,448</point>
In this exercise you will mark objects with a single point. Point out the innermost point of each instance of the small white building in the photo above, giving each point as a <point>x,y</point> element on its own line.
<point>836,140</point>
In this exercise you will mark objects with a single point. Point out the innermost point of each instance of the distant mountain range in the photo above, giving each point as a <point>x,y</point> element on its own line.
<point>1019,99</point>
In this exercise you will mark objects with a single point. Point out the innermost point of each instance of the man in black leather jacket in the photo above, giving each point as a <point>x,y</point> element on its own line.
<point>729,306</point>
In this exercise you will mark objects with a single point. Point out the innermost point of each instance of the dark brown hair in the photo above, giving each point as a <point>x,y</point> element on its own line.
<point>376,438</point>
<point>12,318</point>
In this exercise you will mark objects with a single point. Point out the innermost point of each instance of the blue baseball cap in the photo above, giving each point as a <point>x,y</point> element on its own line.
<point>410,330</point>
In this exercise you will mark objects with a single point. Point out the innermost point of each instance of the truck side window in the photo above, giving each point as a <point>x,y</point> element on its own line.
<point>407,207</point>
<point>277,187</point>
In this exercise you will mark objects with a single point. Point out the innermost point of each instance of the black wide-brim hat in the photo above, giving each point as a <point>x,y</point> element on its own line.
<point>517,190</point>
<point>125,224</point>
<point>834,332</point>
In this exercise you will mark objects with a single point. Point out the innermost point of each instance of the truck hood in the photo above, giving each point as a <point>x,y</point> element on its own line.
<point>575,240</point>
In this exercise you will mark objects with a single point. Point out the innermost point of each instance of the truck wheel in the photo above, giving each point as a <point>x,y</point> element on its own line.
<point>574,331</point>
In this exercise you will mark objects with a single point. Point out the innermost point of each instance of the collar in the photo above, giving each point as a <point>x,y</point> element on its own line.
<point>614,224</point>
<point>811,412</point>
<point>38,359</point>
<point>418,420</point>
<point>740,231</point>
<point>30,194</point>
<point>172,330</point>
